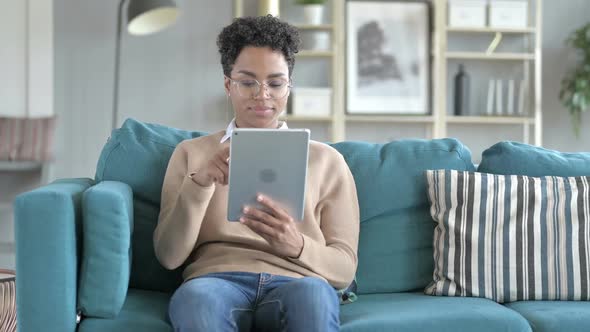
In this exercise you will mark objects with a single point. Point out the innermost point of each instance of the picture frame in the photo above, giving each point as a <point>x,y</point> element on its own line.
<point>388,62</point>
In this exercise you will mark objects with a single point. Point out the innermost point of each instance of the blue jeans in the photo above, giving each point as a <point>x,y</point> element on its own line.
<point>241,301</point>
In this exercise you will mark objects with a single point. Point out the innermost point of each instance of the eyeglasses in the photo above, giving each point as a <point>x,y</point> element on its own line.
<point>250,88</point>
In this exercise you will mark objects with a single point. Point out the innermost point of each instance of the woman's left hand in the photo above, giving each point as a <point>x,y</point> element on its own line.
<point>276,226</point>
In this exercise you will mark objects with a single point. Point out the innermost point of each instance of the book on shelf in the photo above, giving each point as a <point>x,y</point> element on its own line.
<point>510,98</point>
<point>490,101</point>
<point>499,97</point>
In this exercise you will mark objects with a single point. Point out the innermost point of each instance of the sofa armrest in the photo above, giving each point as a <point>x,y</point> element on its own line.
<point>106,254</point>
<point>48,238</point>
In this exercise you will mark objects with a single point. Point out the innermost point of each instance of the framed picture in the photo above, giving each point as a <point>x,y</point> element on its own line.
<point>388,57</point>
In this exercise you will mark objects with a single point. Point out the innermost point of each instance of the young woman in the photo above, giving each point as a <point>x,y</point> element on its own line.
<point>266,272</point>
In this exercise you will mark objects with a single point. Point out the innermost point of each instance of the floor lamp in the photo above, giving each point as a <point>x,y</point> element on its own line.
<point>144,17</point>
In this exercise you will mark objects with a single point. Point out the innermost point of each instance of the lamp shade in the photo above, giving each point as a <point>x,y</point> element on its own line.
<point>148,16</point>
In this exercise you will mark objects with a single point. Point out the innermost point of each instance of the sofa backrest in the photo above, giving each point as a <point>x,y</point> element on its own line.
<point>138,154</point>
<point>523,159</point>
<point>395,246</point>
<point>395,249</point>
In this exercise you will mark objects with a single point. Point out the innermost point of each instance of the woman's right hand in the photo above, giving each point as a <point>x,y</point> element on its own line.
<point>216,170</point>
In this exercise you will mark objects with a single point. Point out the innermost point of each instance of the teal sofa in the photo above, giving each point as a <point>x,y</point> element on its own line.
<point>85,258</point>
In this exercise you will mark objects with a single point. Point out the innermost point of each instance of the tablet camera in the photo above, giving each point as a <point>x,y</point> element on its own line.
<point>267,175</point>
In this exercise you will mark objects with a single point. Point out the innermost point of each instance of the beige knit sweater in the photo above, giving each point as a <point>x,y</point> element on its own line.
<point>193,228</point>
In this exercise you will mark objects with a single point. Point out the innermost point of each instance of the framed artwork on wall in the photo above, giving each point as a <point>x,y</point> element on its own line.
<point>388,57</point>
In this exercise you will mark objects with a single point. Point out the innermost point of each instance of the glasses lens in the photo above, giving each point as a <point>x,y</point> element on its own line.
<point>247,88</point>
<point>276,89</point>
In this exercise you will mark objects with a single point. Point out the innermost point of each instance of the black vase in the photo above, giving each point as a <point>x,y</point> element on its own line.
<point>461,98</point>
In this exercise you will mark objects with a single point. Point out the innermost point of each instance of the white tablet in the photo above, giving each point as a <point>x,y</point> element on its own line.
<point>272,162</point>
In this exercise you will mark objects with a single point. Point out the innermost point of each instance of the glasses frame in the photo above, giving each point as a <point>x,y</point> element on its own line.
<point>260,85</point>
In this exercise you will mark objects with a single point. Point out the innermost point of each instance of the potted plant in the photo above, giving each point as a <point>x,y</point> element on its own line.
<point>575,86</point>
<point>313,10</point>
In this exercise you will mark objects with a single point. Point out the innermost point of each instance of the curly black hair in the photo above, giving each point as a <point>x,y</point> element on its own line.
<point>261,31</point>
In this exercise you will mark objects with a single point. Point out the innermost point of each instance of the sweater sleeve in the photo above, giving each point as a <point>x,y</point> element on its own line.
<point>335,258</point>
<point>182,208</point>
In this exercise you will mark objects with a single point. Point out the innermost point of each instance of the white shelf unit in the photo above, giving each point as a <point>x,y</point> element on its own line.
<point>490,120</point>
<point>314,26</point>
<point>339,118</point>
<point>489,56</point>
<point>490,30</point>
<point>436,123</point>
<point>391,118</point>
<point>531,57</point>
<point>299,118</point>
<point>314,53</point>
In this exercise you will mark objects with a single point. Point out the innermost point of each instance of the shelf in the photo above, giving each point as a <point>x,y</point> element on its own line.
<point>391,118</point>
<point>492,56</point>
<point>491,30</point>
<point>297,118</point>
<point>20,166</point>
<point>314,26</point>
<point>313,53</point>
<point>491,119</point>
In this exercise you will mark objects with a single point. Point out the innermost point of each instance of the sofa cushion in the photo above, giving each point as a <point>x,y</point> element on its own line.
<point>510,238</point>
<point>144,311</point>
<point>395,244</point>
<point>106,258</point>
<point>523,159</point>
<point>138,154</point>
<point>418,312</point>
<point>554,316</point>
<point>147,311</point>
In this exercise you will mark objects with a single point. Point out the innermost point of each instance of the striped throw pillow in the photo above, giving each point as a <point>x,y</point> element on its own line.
<point>509,237</point>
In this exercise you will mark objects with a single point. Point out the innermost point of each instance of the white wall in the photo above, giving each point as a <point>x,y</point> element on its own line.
<point>173,77</point>
<point>560,19</point>
<point>26,90</point>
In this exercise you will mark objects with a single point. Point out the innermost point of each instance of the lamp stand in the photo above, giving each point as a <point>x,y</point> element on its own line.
<point>117,66</point>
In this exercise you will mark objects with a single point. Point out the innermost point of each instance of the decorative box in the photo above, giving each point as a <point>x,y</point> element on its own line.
<point>508,14</point>
<point>467,13</point>
<point>312,101</point>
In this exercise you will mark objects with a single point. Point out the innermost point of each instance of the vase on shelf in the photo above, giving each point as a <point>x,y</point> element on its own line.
<point>313,11</point>
<point>461,92</point>
<point>313,14</point>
